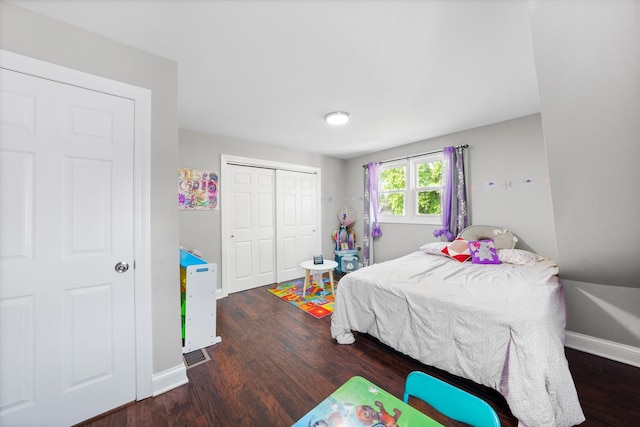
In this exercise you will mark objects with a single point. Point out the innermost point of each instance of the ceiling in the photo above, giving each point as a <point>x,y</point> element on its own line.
<point>267,71</point>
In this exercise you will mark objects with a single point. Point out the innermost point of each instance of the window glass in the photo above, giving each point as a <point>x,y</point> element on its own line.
<point>393,178</point>
<point>409,190</point>
<point>391,200</point>
<point>391,204</point>
<point>429,173</point>
<point>429,184</point>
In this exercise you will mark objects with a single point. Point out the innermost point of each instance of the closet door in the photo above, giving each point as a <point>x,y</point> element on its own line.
<point>251,215</point>
<point>296,217</point>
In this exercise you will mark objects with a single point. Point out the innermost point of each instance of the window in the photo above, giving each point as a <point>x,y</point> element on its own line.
<point>409,190</point>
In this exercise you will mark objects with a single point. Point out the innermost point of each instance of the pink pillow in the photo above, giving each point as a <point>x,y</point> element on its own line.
<point>458,250</point>
<point>483,252</point>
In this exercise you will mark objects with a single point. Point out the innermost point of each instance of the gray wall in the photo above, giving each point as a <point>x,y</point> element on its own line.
<point>202,229</point>
<point>34,35</point>
<point>588,65</point>
<point>507,154</point>
<point>587,58</point>
<point>513,152</point>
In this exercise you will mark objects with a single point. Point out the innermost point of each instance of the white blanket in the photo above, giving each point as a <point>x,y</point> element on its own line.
<point>498,325</point>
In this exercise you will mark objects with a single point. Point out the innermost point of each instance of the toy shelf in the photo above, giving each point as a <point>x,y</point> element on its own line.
<point>197,302</point>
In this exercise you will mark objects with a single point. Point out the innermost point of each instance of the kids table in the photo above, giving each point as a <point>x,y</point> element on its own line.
<point>318,270</point>
<point>359,403</point>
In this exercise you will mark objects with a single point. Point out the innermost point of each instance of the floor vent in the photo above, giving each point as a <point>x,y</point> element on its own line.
<point>195,358</point>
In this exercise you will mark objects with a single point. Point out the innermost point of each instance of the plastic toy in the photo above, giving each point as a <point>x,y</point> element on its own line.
<point>345,238</point>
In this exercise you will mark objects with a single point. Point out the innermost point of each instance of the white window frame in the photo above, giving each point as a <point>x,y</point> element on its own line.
<point>411,190</point>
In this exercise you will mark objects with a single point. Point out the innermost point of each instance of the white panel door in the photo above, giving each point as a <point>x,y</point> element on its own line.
<point>251,243</point>
<point>67,349</point>
<point>297,216</point>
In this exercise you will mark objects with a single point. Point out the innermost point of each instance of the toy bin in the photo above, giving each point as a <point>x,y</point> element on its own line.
<point>349,263</point>
<point>347,260</point>
<point>197,302</point>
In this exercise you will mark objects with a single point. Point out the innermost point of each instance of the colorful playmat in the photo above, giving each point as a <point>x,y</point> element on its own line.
<point>318,301</point>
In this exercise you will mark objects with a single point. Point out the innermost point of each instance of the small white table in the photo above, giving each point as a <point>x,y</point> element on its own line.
<point>310,267</point>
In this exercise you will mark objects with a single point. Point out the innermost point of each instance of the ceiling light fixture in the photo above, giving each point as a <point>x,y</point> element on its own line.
<point>337,117</point>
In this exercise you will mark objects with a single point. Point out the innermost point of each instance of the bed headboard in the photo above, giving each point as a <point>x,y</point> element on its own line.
<point>502,238</point>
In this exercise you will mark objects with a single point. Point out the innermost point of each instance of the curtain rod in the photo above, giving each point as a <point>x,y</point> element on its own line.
<point>250,165</point>
<point>464,147</point>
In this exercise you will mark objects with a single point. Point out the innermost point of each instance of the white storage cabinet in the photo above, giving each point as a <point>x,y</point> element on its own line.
<point>198,280</point>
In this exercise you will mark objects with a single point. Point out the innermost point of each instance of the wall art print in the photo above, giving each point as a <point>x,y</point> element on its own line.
<point>197,189</point>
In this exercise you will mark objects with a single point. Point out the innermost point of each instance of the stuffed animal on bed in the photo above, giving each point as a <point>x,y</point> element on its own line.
<point>483,252</point>
<point>483,249</point>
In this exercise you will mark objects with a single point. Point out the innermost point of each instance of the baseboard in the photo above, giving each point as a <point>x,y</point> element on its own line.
<point>169,379</point>
<point>603,348</point>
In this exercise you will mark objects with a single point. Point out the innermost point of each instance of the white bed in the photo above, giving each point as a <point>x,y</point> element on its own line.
<point>498,325</point>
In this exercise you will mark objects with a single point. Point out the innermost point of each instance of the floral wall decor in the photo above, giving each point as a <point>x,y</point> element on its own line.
<point>197,189</point>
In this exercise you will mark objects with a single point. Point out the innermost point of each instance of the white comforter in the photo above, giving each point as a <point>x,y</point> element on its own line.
<point>498,325</point>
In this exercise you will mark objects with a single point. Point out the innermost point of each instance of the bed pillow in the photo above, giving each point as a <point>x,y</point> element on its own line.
<point>483,252</point>
<point>458,250</point>
<point>502,238</point>
<point>518,257</point>
<point>434,248</point>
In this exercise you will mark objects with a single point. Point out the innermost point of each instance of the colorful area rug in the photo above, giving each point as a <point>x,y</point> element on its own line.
<point>318,301</point>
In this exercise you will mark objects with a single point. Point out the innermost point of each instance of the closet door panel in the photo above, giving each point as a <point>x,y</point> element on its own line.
<point>251,243</point>
<point>296,218</point>
<point>270,222</point>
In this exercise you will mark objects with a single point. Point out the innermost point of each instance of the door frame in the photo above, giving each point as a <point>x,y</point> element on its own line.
<point>141,165</point>
<point>225,161</point>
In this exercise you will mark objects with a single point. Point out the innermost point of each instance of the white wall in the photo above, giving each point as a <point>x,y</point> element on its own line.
<point>202,229</point>
<point>34,35</point>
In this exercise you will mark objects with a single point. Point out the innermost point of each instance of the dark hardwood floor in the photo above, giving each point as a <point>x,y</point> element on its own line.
<point>276,362</point>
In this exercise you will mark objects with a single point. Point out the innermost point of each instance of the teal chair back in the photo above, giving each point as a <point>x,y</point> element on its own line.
<point>450,401</point>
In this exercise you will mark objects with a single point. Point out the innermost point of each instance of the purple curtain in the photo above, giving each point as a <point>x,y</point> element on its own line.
<point>370,229</point>
<point>453,199</point>
<point>373,191</point>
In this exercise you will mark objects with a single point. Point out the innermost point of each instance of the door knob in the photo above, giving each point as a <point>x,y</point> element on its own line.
<point>121,267</point>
